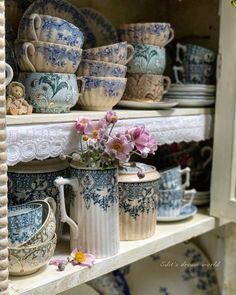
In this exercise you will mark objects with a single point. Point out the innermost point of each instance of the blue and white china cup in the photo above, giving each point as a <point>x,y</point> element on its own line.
<point>50,92</point>
<point>194,54</point>
<point>159,34</point>
<point>100,93</point>
<point>195,74</point>
<point>171,202</point>
<point>38,56</point>
<point>137,202</point>
<point>118,53</point>
<point>46,28</point>
<point>147,59</point>
<point>23,222</point>
<point>172,178</point>
<point>100,69</point>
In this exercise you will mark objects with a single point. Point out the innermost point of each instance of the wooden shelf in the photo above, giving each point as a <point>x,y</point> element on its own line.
<point>123,114</point>
<point>49,281</point>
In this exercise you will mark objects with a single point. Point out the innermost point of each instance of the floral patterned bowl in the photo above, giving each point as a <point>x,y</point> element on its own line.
<point>159,34</point>
<point>38,56</point>
<point>118,53</point>
<point>27,260</point>
<point>100,69</point>
<point>99,93</point>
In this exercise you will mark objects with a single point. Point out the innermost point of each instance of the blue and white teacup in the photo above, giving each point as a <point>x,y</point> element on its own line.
<point>38,56</point>
<point>194,54</point>
<point>98,68</point>
<point>46,28</point>
<point>172,178</point>
<point>50,92</point>
<point>147,59</point>
<point>195,74</point>
<point>171,202</point>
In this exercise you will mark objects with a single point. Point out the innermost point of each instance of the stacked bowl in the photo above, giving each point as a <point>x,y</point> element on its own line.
<point>102,75</point>
<point>145,80</point>
<point>31,236</point>
<point>48,52</point>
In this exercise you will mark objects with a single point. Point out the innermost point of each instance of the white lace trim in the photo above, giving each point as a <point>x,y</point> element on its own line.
<point>28,142</point>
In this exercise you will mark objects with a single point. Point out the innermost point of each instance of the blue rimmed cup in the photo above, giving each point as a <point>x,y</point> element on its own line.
<point>46,28</point>
<point>172,178</point>
<point>171,202</point>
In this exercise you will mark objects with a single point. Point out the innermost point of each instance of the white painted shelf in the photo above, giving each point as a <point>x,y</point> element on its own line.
<point>49,281</point>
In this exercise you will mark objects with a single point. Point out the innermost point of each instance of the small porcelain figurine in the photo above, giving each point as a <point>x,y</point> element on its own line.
<point>16,103</point>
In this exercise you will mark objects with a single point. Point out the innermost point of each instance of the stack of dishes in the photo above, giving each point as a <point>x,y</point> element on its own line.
<point>192,95</point>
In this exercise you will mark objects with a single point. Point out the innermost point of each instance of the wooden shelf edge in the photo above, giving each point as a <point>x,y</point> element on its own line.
<point>50,281</point>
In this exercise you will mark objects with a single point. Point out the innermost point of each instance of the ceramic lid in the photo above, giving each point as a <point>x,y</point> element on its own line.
<point>39,166</point>
<point>129,174</point>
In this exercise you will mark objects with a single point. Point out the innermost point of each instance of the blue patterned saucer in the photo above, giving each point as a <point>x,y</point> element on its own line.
<point>102,28</point>
<point>185,213</point>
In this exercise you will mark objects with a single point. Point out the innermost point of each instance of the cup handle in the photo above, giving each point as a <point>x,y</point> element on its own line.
<point>9,74</point>
<point>82,86</point>
<point>176,70</point>
<point>27,49</point>
<point>36,24</point>
<point>191,192</point>
<point>60,182</point>
<point>130,53</point>
<point>52,203</point>
<point>172,35</point>
<point>167,83</point>
<point>180,47</point>
<point>204,151</point>
<point>186,171</point>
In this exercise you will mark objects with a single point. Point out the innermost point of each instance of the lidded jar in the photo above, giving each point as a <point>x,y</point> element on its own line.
<point>137,201</point>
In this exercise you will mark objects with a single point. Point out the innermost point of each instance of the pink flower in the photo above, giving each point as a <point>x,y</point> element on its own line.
<point>144,143</point>
<point>96,130</point>
<point>58,261</point>
<point>111,117</point>
<point>82,124</point>
<point>119,147</point>
<point>81,258</point>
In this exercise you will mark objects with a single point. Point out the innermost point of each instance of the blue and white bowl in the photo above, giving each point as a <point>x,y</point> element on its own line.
<point>46,28</point>
<point>101,69</point>
<point>50,92</point>
<point>100,93</point>
<point>23,222</point>
<point>38,56</point>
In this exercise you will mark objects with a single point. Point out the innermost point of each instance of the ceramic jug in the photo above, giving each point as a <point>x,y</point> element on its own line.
<point>94,210</point>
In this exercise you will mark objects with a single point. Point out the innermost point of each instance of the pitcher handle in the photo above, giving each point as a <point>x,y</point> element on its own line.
<point>203,152</point>
<point>176,70</point>
<point>180,47</point>
<point>172,35</point>
<point>167,84</point>
<point>130,52</point>
<point>60,182</point>
<point>191,192</point>
<point>9,74</point>
<point>186,171</point>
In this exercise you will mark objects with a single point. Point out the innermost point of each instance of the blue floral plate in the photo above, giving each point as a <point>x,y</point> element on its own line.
<point>185,213</point>
<point>101,27</point>
<point>67,11</point>
<point>180,270</point>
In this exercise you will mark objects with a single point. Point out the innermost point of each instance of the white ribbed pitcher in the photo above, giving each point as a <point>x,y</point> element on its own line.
<point>94,211</point>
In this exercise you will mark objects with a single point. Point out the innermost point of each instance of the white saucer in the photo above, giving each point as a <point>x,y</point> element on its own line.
<point>186,213</point>
<point>192,87</point>
<point>189,96</point>
<point>167,104</point>
<point>194,102</point>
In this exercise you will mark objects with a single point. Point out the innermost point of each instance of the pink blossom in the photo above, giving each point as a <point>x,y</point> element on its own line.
<point>58,261</point>
<point>111,117</point>
<point>144,143</point>
<point>81,258</point>
<point>96,129</point>
<point>82,124</point>
<point>119,147</point>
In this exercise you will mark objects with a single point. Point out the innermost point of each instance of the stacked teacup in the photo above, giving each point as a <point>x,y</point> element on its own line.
<point>48,52</point>
<point>172,194</point>
<point>102,74</point>
<point>145,80</point>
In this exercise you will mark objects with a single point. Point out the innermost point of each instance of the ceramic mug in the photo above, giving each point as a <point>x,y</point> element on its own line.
<point>194,54</point>
<point>172,178</point>
<point>147,59</point>
<point>146,87</point>
<point>38,56</point>
<point>46,28</point>
<point>9,74</point>
<point>195,74</point>
<point>94,210</point>
<point>171,202</point>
